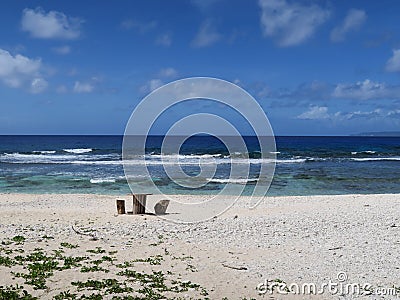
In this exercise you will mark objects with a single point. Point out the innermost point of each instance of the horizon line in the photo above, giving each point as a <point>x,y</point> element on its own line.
<point>278,135</point>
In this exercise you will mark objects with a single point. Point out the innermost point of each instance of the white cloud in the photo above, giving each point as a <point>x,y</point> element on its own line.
<point>367,89</point>
<point>54,24</point>
<point>164,40</point>
<point>206,36</point>
<point>83,87</point>
<point>393,64</point>
<point>21,71</point>
<point>13,66</point>
<point>141,27</point>
<point>155,83</point>
<point>237,81</point>
<point>62,50</point>
<point>168,72</point>
<point>377,113</point>
<point>321,113</point>
<point>315,91</point>
<point>61,89</point>
<point>291,23</point>
<point>373,114</point>
<point>355,18</point>
<point>151,85</point>
<point>38,85</point>
<point>315,113</point>
<point>394,113</point>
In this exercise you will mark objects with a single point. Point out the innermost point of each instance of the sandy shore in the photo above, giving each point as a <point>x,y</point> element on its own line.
<point>291,239</point>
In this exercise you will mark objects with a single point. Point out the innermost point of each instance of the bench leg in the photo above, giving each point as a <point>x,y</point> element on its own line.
<point>120,207</point>
<point>139,204</point>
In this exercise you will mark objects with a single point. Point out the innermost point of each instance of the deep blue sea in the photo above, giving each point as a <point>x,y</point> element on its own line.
<point>304,165</point>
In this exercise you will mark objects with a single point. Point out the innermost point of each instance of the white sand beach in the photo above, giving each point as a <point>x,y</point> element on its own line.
<point>290,239</point>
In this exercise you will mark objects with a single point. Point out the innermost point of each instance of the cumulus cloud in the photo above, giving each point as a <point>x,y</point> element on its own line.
<point>151,85</point>
<point>321,113</point>
<point>315,91</point>
<point>367,89</point>
<point>315,113</point>
<point>376,113</point>
<point>162,75</point>
<point>354,19</point>
<point>164,40</point>
<point>393,64</point>
<point>61,89</point>
<point>394,114</point>
<point>206,36</point>
<point>83,87</point>
<point>237,81</point>
<point>53,24</point>
<point>155,84</point>
<point>141,27</point>
<point>291,23</point>
<point>168,72</point>
<point>367,115</point>
<point>20,71</point>
<point>63,50</point>
<point>38,85</point>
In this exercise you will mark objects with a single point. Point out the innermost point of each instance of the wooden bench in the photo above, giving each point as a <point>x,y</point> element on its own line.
<point>139,203</point>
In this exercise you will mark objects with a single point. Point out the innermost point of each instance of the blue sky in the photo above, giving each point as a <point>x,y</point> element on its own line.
<point>315,67</point>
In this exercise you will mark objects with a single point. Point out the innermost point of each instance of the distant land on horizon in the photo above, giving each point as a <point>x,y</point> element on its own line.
<point>378,133</point>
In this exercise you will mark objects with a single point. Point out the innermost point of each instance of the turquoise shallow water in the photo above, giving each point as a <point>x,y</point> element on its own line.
<point>304,165</point>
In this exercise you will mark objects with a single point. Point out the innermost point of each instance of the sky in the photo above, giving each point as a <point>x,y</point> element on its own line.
<point>315,67</point>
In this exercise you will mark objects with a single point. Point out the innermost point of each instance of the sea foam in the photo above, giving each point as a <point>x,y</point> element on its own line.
<point>232,180</point>
<point>102,180</point>
<point>78,150</point>
<point>377,159</point>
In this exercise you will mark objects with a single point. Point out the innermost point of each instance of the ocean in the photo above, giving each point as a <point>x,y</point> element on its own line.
<point>304,165</point>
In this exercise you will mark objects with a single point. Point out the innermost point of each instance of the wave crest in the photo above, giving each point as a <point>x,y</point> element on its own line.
<point>78,150</point>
